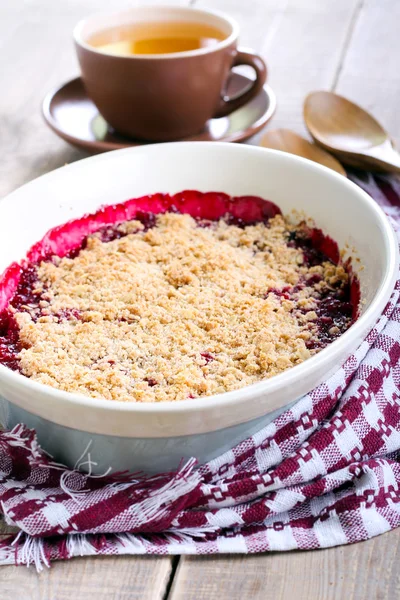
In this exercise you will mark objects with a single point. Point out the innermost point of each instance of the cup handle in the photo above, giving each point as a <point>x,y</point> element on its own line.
<point>244,57</point>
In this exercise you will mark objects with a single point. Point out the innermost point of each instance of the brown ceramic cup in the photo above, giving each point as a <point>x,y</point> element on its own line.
<point>160,97</point>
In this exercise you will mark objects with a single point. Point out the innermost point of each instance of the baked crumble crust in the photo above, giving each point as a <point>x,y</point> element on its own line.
<point>180,310</point>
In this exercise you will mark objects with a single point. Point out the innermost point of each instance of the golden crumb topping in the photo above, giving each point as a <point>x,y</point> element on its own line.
<point>173,312</point>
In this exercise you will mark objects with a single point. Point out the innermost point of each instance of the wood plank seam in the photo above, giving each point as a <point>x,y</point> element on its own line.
<point>174,568</point>
<point>352,26</point>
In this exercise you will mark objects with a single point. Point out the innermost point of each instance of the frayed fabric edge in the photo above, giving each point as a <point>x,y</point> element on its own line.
<point>25,550</point>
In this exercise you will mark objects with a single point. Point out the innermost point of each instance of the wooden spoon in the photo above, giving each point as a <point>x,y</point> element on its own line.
<point>287,141</point>
<point>349,132</point>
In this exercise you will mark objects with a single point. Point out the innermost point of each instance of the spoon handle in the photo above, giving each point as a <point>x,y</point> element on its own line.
<point>386,156</point>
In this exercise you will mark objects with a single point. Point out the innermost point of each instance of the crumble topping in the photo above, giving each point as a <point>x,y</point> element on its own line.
<point>179,310</point>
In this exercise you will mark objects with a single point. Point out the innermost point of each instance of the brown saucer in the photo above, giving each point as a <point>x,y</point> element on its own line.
<point>73,116</point>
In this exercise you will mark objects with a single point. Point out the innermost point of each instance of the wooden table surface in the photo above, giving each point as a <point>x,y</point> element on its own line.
<point>350,46</point>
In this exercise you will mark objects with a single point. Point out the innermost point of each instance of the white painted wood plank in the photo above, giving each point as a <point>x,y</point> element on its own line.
<point>305,51</point>
<point>100,578</point>
<point>365,571</point>
<point>370,74</point>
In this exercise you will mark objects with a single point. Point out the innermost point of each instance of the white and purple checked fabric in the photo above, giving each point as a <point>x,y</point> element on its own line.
<point>326,472</point>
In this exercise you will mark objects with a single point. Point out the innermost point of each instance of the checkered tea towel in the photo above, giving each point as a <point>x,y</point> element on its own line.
<point>326,472</point>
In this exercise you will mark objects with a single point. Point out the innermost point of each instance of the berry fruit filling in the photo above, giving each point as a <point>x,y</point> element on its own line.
<point>173,297</point>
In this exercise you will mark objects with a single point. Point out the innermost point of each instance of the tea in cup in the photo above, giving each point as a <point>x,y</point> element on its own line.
<point>158,37</point>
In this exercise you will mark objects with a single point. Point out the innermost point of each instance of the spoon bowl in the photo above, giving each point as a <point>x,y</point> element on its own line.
<point>288,141</point>
<point>351,133</point>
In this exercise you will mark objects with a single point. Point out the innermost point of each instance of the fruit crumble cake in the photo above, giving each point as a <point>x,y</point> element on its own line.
<point>186,301</point>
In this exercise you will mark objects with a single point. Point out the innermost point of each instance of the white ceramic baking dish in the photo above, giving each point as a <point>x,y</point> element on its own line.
<point>154,437</point>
